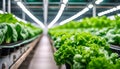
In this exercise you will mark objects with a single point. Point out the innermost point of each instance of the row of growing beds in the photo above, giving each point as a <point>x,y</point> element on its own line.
<point>16,37</point>
<point>92,43</point>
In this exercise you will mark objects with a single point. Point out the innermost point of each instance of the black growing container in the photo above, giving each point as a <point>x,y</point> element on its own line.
<point>115,48</point>
<point>67,66</point>
<point>8,48</point>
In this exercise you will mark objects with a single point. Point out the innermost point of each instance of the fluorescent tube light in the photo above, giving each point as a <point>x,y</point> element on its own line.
<point>57,16</point>
<point>80,13</point>
<point>98,1</point>
<point>74,16</point>
<point>112,17</point>
<point>30,14</point>
<point>90,6</point>
<point>109,11</point>
<point>118,7</point>
<point>65,1</point>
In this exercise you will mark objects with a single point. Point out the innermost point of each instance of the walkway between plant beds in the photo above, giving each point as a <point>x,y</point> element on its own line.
<point>41,57</point>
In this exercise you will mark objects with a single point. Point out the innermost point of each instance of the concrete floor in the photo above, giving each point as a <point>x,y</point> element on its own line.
<point>41,57</point>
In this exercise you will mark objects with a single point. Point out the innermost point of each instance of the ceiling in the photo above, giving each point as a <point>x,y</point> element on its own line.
<point>36,7</point>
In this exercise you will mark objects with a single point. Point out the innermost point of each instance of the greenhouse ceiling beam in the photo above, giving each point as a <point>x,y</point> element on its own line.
<point>36,7</point>
<point>30,14</point>
<point>52,13</point>
<point>63,5</point>
<point>73,3</point>
<point>57,3</point>
<point>109,11</point>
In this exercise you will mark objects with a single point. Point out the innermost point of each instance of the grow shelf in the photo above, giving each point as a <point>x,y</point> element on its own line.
<point>19,43</point>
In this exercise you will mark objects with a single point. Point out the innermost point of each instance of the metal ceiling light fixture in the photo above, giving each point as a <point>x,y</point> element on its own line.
<point>77,15</point>
<point>74,16</point>
<point>113,17</point>
<point>20,4</point>
<point>98,1</point>
<point>63,5</point>
<point>80,13</point>
<point>109,11</point>
<point>90,6</point>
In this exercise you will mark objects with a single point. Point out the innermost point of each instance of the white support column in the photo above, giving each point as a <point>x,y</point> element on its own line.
<point>94,11</point>
<point>45,7</point>
<point>4,5</point>
<point>23,16</point>
<point>9,6</point>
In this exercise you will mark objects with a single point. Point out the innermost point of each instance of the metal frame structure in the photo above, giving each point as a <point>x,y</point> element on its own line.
<point>55,6</point>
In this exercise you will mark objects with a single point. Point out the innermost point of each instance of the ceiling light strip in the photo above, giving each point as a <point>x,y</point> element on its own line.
<point>30,14</point>
<point>63,5</point>
<point>98,1</point>
<point>74,16</point>
<point>57,16</point>
<point>109,11</point>
<point>113,17</point>
<point>90,6</point>
<point>80,13</point>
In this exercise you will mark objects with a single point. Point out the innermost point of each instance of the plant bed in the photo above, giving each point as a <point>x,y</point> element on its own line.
<point>16,53</point>
<point>19,43</point>
<point>80,49</point>
<point>90,49</point>
<point>11,47</point>
<point>54,50</point>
